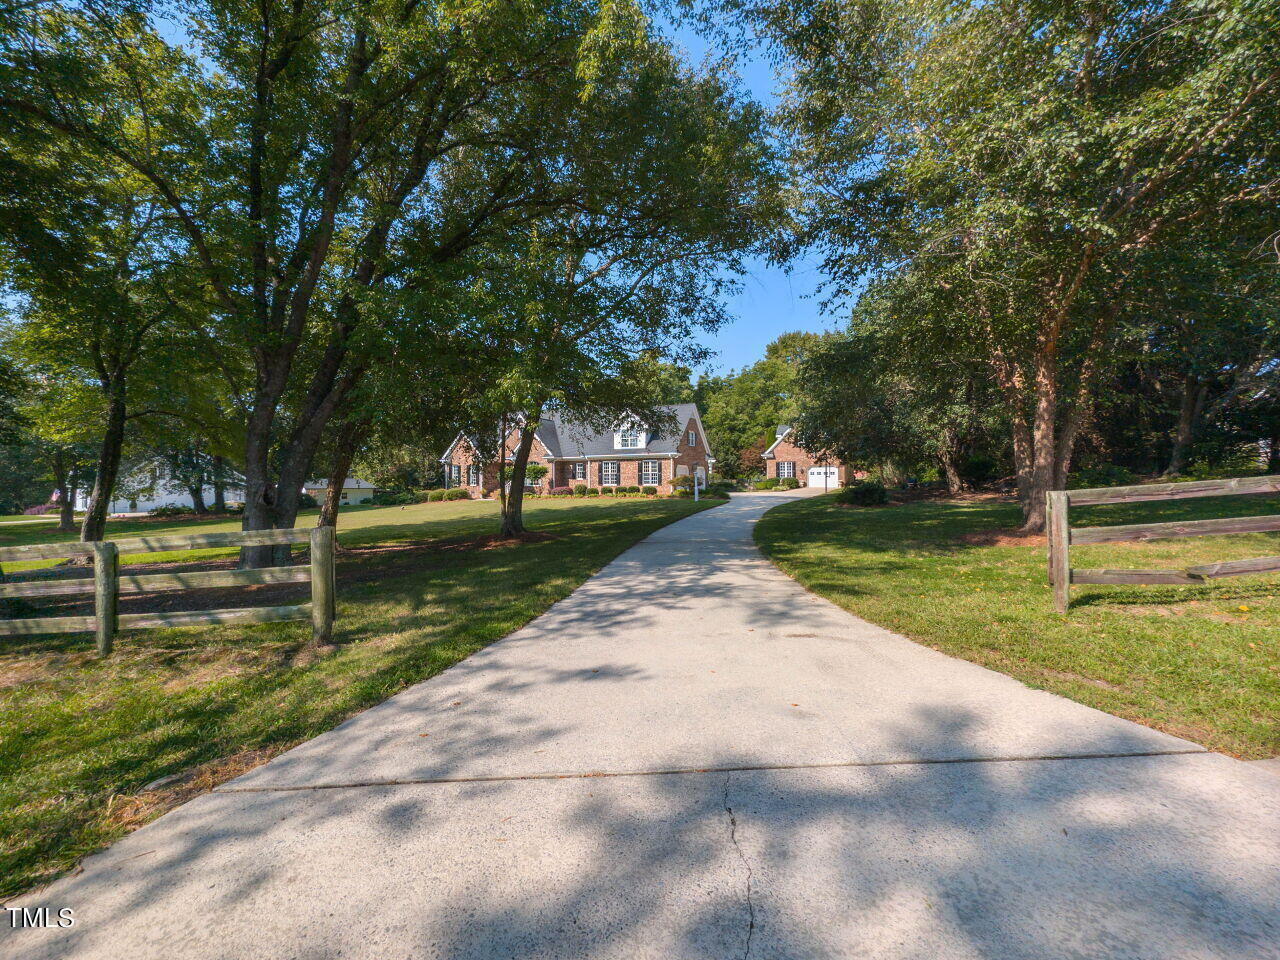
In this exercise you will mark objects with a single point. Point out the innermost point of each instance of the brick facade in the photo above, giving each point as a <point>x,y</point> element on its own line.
<point>687,459</point>
<point>786,452</point>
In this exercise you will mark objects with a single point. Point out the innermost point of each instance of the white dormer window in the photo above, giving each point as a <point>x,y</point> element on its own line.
<point>628,438</point>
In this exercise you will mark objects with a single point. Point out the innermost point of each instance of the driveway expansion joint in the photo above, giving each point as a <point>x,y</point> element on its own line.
<point>681,771</point>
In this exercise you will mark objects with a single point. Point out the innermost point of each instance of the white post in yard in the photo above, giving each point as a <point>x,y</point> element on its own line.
<point>695,486</point>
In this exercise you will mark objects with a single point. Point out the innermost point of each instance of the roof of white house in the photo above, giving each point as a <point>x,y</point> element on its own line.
<point>351,483</point>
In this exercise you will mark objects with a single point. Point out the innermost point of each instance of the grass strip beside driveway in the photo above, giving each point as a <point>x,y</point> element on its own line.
<point>80,738</point>
<point>1200,662</point>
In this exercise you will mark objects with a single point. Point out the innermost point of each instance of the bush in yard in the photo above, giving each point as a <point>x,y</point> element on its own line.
<point>1102,475</point>
<point>580,490</point>
<point>561,491</point>
<point>396,498</point>
<point>593,491</point>
<point>682,485</point>
<point>769,483</point>
<point>435,496</point>
<point>719,489</point>
<point>457,493</point>
<point>307,502</point>
<point>168,510</point>
<point>41,510</point>
<point>535,473</point>
<point>863,493</point>
<point>650,491</point>
<point>788,483</point>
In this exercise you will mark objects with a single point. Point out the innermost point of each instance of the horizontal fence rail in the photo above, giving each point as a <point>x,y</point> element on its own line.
<point>1062,536</point>
<point>107,585</point>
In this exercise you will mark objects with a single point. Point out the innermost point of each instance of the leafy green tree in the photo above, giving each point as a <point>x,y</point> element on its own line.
<point>310,154</point>
<point>745,408</point>
<point>1017,162</point>
<point>586,306</point>
<point>869,403</point>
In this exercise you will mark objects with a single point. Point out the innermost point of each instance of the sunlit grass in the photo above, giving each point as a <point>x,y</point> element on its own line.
<point>1202,662</point>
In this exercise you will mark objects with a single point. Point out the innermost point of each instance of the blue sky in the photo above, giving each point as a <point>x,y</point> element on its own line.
<point>772,300</point>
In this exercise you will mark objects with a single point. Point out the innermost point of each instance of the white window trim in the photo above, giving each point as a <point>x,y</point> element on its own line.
<point>790,466</point>
<point>617,473</point>
<point>693,438</point>
<point>578,470</point>
<point>632,432</point>
<point>657,469</point>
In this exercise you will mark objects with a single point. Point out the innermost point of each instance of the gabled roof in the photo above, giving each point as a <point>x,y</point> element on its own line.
<point>565,438</point>
<point>783,433</point>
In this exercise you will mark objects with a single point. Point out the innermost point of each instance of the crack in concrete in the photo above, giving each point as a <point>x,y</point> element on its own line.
<point>733,839</point>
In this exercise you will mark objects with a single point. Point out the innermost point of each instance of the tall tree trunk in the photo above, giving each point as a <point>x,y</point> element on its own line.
<point>196,492</point>
<point>259,491</point>
<point>218,480</point>
<point>1043,446</point>
<point>104,484</point>
<point>513,506</point>
<point>66,488</point>
<point>1072,426</point>
<point>350,437</point>
<point>1189,411</point>
<point>947,456</point>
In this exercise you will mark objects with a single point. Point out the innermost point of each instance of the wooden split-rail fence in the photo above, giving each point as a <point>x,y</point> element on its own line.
<point>107,584</point>
<point>1062,536</point>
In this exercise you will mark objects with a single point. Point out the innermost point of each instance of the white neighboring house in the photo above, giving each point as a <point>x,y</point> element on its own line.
<point>163,493</point>
<point>354,490</point>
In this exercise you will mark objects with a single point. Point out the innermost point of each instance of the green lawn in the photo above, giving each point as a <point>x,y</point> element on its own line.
<point>357,525</point>
<point>80,737</point>
<point>1201,662</point>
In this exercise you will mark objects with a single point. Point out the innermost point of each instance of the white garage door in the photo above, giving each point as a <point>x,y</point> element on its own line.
<point>824,477</point>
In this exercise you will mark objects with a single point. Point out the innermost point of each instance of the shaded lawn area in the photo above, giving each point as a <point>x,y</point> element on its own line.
<point>357,525</point>
<point>1200,662</point>
<point>80,737</point>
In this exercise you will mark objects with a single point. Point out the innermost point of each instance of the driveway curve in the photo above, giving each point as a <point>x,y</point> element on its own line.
<point>691,757</point>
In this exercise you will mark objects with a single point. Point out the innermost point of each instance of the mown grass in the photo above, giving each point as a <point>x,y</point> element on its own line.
<point>1201,662</point>
<point>80,737</point>
<point>358,525</point>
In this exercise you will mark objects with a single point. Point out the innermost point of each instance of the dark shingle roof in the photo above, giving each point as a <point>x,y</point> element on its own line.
<point>567,438</point>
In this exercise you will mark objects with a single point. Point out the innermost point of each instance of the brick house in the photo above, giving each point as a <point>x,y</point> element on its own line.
<point>784,459</point>
<point>627,455</point>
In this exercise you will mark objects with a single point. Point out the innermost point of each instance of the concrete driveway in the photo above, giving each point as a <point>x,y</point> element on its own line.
<point>691,757</point>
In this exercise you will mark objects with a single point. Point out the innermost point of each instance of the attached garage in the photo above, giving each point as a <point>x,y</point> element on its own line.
<point>785,460</point>
<point>824,477</point>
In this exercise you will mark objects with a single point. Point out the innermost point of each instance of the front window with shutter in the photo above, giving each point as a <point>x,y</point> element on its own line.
<point>580,471</point>
<point>650,473</point>
<point>473,474</point>
<point>786,468</point>
<point>609,473</point>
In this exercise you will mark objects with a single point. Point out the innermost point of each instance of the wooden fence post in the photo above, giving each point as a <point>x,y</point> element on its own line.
<point>106,593</point>
<point>323,586</point>
<point>1059,538</point>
